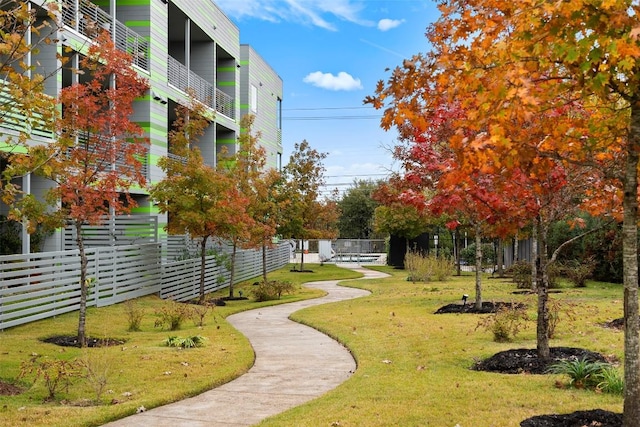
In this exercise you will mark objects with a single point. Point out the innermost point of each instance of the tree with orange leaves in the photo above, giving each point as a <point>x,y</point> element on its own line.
<point>508,62</point>
<point>95,159</point>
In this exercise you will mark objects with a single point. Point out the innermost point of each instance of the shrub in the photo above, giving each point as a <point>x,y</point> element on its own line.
<point>55,373</point>
<point>134,313</point>
<point>582,373</point>
<point>198,313</point>
<point>557,309</point>
<point>521,272</point>
<point>505,323</point>
<point>97,368</point>
<point>423,268</point>
<point>172,314</point>
<point>554,271</point>
<point>468,254</point>
<point>273,289</point>
<point>578,272</point>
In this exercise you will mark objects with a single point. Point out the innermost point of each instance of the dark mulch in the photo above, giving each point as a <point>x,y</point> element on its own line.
<point>523,360</point>
<point>233,298</point>
<point>300,271</point>
<point>72,341</point>
<point>596,417</point>
<point>519,361</point>
<point>615,324</point>
<point>8,389</point>
<point>469,307</point>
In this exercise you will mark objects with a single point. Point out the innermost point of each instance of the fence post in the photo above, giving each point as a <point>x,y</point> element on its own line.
<point>96,274</point>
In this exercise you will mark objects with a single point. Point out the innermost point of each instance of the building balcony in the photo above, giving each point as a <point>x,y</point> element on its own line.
<point>182,78</point>
<point>87,19</point>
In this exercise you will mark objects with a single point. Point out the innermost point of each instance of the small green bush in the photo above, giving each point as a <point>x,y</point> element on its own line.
<point>425,268</point>
<point>272,290</point>
<point>521,272</point>
<point>188,342</point>
<point>578,272</point>
<point>468,254</point>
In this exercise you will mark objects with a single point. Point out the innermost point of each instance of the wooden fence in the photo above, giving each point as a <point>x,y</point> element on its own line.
<point>42,285</point>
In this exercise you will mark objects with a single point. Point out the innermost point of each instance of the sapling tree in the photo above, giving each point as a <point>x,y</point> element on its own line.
<point>200,200</point>
<point>95,159</point>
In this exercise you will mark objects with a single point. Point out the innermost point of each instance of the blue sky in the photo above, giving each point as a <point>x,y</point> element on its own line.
<point>330,55</point>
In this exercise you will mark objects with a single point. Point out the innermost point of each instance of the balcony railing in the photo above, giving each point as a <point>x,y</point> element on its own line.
<point>182,78</point>
<point>87,18</point>
<point>100,145</point>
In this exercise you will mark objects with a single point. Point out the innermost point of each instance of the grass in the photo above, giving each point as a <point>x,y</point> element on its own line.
<point>428,382</point>
<point>142,372</point>
<point>413,365</point>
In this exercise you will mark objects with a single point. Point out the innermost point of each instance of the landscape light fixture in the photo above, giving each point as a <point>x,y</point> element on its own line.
<point>464,299</point>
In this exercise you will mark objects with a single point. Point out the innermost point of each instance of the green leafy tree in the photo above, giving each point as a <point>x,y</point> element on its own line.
<point>356,210</point>
<point>307,215</point>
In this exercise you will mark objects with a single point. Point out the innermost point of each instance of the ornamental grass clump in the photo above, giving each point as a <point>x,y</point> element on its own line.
<point>426,268</point>
<point>582,373</point>
<point>187,342</point>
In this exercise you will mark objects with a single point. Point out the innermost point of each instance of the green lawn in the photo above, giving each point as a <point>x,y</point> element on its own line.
<point>413,365</point>
<point>141,372</point>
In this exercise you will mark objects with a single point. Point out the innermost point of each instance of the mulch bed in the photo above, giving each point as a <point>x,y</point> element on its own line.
<point>521,361</point>
<point>615,324</point>
<point>469,307</point>
<point>72,341</point>
<point>596,417</point>
<point>8,389</point>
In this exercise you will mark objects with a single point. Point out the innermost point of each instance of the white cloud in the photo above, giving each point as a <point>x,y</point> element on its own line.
<point>308,12</point>
<point>343,81</point>
<point>388,24</point>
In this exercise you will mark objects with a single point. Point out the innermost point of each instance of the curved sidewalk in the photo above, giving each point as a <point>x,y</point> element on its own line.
<point>294,364</point>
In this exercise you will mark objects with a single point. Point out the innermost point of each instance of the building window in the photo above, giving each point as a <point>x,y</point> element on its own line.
<point>279,113</point>
<point>254,99</point>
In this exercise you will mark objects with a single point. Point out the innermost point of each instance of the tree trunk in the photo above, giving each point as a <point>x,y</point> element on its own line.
<point>534,256</point>
<point>631,415</point>
<point>478,269</point>
<point>516,249</point>
<point>500,258</point>
<point>203,252</point>
<point>264,261</point>
<point>233,269</point>
<point>302,256</point>
<point>82,315</point>
<point>457,251</point>
<point>542,287</point>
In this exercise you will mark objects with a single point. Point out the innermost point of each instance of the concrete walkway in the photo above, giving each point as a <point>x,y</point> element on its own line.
<point>294,364</point>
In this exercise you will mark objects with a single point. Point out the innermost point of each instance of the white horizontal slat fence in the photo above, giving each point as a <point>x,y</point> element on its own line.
<point>42,285</point>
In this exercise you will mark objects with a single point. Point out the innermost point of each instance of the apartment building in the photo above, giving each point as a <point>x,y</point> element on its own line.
<point>178,45</point>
